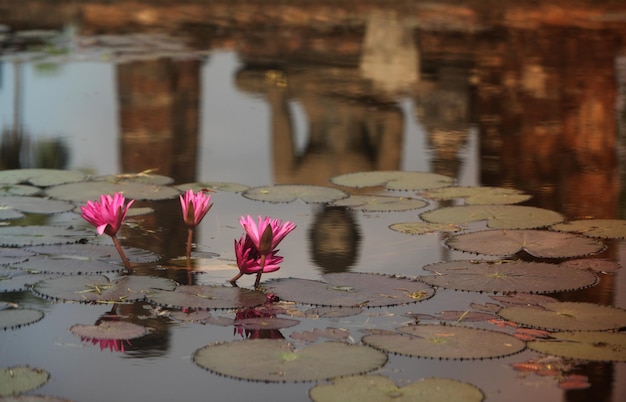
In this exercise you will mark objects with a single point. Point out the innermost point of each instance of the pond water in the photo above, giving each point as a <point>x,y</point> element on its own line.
<point>518,98</point>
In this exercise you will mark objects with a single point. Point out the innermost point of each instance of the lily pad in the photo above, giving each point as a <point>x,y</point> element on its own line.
<point>527,299</point>
<point>35,205</point>
<point>446,342</point>
<point>593,264</point>
<point>10,255</point>
<point>420,228</point>
<point>478,195</point>
<point>14,280</point>
<point>18,379</point>
<point>215,186</point>
<point>265,323</point>
<point>600,228</point>
<point>101,252</point>
<point>207,297</point>
<point>109,330</point>
<point>379,203</point>
<point>8,214</point>
<point>505,276</point>
<point>143,177</point>
<point>18,189</point>
<point>538,243</point>
<point>91,190</point>
<point>15,318</point>
<point>375,388</point>
<point>566,316</point>
<point>67,265</point>
<point>332,312</point>
<point>276,360</point>
<point>464,316</point>
<point>21,236</point>
<point>292,192</point>
<point>99,289</point>
<point>497,216</point>
<point>393,180</point>
<point>351,290</point>
<point>40,177</point>
<point>587,345</point>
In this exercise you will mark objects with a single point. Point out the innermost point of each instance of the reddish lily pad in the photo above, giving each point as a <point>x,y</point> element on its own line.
<point>464,316</point>
<point>478,195</point>
<point>276,360</point>
<point>204,297</point>
<point>600,228</point>
<point>120,330</point>
<point>538,243</point>
<point>566,316</point>
<point>585,345</point>
<point>593,264</point>
<point>351,290</point>
<point>379,203</point>
<point>393,180</point>
<point>292,192</point>
<point>505,276</point>
<point>446,342</point>
<point>375,388</point>
<point>497,216</point>
<point>332,312</point>
<point>265,323</point>
<point>18,379</point>
<point>524,299</point>
<point>21,236</point>
<point>420,228</point>
<point>15,318</point>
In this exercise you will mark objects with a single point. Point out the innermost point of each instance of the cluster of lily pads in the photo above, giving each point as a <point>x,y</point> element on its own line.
<point>529,252</point>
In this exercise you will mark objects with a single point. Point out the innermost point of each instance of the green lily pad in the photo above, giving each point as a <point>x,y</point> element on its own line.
<point>215,186</point>
<point>375,388</point>
<point>14,280</point>
<point>146,178</point>
<point>99,289</point>
<point>600,228</point>
<point>478,195</point>
<point>10,255</point>
<point>497,216</point>
<point>505,276</point>
<point>18,379</point>
<point>446,342</point>
<point>102,252</point>
<point>9,214</point>
<point>35,205</point>
<point>587,345</point>
<point>18,189</point>
<point>121,330</point>
<point>21,236</point>
<point>91,190</point>
<point>566,316</point>
<point>538,243</point>
<point>276,360</point>
<point>292,192</point>
<point>393,180</point>
<point>379,203</point>
<point>40,177</point>
<point>420,228</point>
<point>207,297</point>
<point>15,318</point>
<point>68,265</point>
<point>351,290</point>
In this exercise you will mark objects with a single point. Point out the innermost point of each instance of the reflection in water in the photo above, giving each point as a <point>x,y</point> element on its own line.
<point>334,238</point>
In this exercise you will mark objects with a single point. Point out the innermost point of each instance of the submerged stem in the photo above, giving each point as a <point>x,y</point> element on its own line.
<point>118,246</point>
<point>189,240</point>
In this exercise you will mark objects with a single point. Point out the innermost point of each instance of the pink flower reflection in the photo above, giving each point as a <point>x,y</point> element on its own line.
<point>114,345</point>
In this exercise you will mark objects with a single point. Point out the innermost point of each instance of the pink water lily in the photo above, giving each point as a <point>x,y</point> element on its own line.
<point>249,259</point>
<point>195,206</point>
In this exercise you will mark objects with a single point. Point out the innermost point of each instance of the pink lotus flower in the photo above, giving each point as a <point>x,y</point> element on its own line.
<point>256,232</point>
<point>108,214</point>
<point>195,206</point>
<point>249,259</point>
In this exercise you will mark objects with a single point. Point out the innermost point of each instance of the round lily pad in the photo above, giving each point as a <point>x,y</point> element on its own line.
<point>600,228</point>
<point>420,228</point>
<point>15,318</point>
<point>478,195</point>
<point>68,265</point>
<point>505,276</point>
<point>14,280</point>
<point>586,345</point>
<point>90,252</point>
<point>375,388</point>
<point>351,290</point>
<point>393,180</point>
<point>292,192</point>
<point>379,203</point>
<point>8,214</point>
<point>593,264</point>
<point>35,205</point>
<point>566,316</point>
<point>109,330</point>
<point>10,255</point>
<point>40,177</point>
<point>446,342</point>
<point>99,289</point>
<point>258,323</point>
<point>18,189</point>
<point>91,190</point>
<point>497,216</point>
<point>21,236</point>
<point>214,185</point>
<point>538,243</point>
<point>142,177</point>
<point>207,297</point>
<point>332,312</point>
<point>18,379</point>
<point>276,360</point>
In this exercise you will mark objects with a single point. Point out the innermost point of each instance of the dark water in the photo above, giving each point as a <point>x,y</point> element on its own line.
<point>522,97</point>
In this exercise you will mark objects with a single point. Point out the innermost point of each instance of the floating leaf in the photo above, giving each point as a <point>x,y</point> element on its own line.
<point>506,276</point>
<point>121,330</point>
<point>10,255</point>
<point>40,177</point>
<point>14,280</point>
<point>332,312</point>
<point>14,318</point>
<point>379,203</point>
<point>35,205</point>
<point>207,297</point>
<point>143,177</point>
<point>191,316</point>
<point>393,180</point>
<point>566,316</point>
<point>258,323</point>
<point>478,195</point>
<point>214,185</point>
<point>538,243</point>
<point>524,298</point>
<point>497,216</point>
<point>292,192</point>
<point>587,345</point>
<point>18,189</point>
<point>446,342</point>
<point>20,236</point>
<point>464,316</point>
<point>375,388</point>
<point>275,360</point>
<point>102,252</point>
<point>8,214</point>
<point>419,228</point>
<point>99,289</point>
<point>601,228</point>
<point>351,290</point>
<point>68,265</point>
<point>82,192</point>
<point>18,379</point>
<point>593,264</point>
